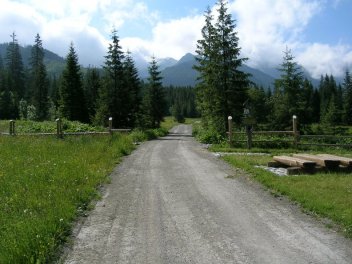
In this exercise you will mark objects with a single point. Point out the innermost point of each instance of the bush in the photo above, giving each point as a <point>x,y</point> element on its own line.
<point>208,136</point>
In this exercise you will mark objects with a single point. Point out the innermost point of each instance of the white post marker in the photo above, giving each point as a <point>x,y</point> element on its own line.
<point>230,129</point>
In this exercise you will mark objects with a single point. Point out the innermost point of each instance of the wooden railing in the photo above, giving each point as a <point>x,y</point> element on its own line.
<point>60,133</point>
<point>292,137</point>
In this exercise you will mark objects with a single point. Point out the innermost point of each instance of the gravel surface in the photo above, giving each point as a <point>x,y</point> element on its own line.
<point>171,201</point>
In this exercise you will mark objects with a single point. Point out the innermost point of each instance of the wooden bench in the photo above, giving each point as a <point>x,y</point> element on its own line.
<point>295,162</point>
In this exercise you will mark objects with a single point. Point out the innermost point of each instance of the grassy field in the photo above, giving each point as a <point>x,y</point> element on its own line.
<point>45,183</point>
<point>324,194</point>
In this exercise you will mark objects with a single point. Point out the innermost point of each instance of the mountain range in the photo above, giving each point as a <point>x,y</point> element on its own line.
<point>174,72</point>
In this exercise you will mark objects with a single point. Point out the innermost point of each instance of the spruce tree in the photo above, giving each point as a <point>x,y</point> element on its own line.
<point>15,73</point>
<point>133,90</point>
<point>72,101</point>
<point>1,64</point>
<point>222,87</point>
<point>288,93</point>
<point>91,87</point>
<point>112,92</point>
<point>38,81</point>
<point>328,92</point>
<point>6,97</point>
<point>154,102</point>
<point>347,85</point>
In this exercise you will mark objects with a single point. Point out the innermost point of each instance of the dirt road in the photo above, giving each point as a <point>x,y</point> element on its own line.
<point>171,202</point>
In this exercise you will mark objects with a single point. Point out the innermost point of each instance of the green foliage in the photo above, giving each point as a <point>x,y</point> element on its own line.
<point>15,77</point>
<point>288,98</point>
<point>38,89</point>
<point>92,84</point>
<point>132,85</point>
<point>183,98</point>
<point>112,92</point>
<point>347,102</point>
<point>177,113</point>
<point>119,94</point>
<point>154,103</point>
<point>221,90</point>
<point>29,126</point>
<point>206,135</point>
<point>72,103</point>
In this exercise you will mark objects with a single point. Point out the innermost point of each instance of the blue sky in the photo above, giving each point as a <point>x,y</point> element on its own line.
<point>317,31</point>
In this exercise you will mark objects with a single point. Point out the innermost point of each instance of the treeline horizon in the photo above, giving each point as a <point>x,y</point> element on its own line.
<point>114,90</point>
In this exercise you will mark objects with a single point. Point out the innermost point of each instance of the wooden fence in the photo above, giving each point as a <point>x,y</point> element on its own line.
<point>292,138</point>
<point>60,133</point>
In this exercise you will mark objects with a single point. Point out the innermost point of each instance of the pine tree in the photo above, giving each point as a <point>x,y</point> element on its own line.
<point>288,93</point>
<point>328,92</point>
<point>38,81</point>
<point>1,64</point>
<point>347,85</point>
<point>258,100</point>
<point>72,101</point>
<point>112,92</point>
<point>133,89</point>
<point>222,87</point>
<point>154,103</point>
<point>92,85</point>
<point>15,72</point>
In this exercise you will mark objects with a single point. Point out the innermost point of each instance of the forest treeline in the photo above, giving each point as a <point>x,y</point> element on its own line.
<point>329,104</point>
<point>114,91</point>
<point>222,88</point>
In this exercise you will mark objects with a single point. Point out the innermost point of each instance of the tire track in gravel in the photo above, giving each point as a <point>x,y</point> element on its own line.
<point>170,202</point>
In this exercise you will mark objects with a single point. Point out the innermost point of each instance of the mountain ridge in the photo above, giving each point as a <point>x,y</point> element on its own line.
<point>174,72</point>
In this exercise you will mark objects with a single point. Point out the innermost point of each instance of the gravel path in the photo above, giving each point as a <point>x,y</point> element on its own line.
<point>173,202</point>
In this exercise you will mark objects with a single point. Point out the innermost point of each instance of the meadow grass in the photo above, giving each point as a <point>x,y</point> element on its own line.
<point>323,194</point>
<point>45,183</point>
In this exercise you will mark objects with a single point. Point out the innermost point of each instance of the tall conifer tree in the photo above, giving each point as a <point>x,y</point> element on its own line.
<point>288,92</point>
<point>347,85</point>
<point>154,102</point>
<point>133,88</point>
<point>222,89</point>
<point>38,80</point>
<point>72,101</point>
<point>113,92</point>
<point>15,73</point>
<point>92,85</point>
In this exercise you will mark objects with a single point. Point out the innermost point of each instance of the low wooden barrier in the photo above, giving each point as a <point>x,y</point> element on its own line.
<point>293,138</point>
<point>60,133</point>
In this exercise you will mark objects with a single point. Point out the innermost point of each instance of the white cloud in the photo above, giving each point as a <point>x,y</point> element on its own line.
<point>60,22</point>
<point>324,59</point>
<point>265,28</point>
<point>170,39</point>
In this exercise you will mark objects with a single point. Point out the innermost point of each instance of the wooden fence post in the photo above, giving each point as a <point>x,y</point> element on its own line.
<point>12,128</point>
<point>59,128</point>
<point>230,130</point>
<point>110,125</point>
<point>249,136</point>
<point>295,131</point>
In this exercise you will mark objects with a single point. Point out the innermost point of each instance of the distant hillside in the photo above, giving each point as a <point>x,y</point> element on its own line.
<point>183,74</point>
<point>54,63</point>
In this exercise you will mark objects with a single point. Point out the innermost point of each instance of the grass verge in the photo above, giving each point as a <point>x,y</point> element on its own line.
<point>44,185</point>
<point>323,194</point>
